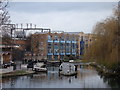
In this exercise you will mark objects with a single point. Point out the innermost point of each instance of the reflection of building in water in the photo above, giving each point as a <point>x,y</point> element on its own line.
<point>86,72</point>
<point>53,73</point>
<point>39,76</point>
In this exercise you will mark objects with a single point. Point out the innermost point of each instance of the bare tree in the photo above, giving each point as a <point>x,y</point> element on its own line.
<point>4,17</point>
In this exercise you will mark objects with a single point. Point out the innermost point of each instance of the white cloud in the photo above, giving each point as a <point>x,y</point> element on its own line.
<point>66,21</point>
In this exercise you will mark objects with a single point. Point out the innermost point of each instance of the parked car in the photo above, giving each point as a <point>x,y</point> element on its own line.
<point>30,64</point>
<point>5,65</point>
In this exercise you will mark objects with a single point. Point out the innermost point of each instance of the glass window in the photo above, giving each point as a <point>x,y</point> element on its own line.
<point>67,38</point>
<point>49,50</point>
<point>56,38</point>
<point>62,38</point>
<point>49,37</point>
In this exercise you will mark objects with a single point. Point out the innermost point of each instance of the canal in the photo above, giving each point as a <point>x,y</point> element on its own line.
<point>87,77</point>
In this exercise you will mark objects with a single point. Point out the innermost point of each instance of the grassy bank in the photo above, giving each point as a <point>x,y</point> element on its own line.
<point>17,73</point>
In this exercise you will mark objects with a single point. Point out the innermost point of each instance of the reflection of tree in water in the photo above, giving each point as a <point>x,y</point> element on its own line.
<point>31,76</point>
<point>13,81</point>
<point>113,82</point>
<point>70,80</point>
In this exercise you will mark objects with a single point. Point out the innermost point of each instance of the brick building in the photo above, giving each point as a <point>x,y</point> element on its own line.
<point>54,46</point>
<point>6,53</point>
<point>6,50</point>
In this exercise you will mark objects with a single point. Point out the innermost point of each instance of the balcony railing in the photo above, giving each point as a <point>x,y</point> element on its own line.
<point>68,53</point>
<point>56,41</point>
<point>56,53</point>
<point>68,41</point>
<point>62,53</point>
<point>74,42</point>
<point>51,41</point>
<point>50,54</point>
<point>62,41</point>
<point>73,53</point>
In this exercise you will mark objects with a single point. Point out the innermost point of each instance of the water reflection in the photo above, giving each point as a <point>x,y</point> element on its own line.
<point>113,82</point>
<point>85,78</point>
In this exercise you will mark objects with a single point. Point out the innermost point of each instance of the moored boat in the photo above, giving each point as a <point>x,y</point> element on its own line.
<point>40,67</point>
<point>67,69</point>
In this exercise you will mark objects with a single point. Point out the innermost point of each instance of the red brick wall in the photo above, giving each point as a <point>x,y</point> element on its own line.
<point>6,58</point>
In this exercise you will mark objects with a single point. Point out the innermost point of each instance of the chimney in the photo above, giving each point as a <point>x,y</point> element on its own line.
<point>35,25</point>
<point>16,25</point>
<point>30,25</point>
<point>27,25</point>
<point>21,25</point>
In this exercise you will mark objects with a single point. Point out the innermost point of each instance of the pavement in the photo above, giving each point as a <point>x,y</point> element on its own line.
<point>6,70</point>
<point>18,67</point>
<point>10,69</point>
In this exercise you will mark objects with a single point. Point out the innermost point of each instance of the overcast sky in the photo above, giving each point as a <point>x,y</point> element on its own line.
<point>65,16</point>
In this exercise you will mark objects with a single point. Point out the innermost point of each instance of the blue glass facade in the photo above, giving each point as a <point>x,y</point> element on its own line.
<point>68,41</point>
<point>55,45</point>
<point>82,47</point>
<point>74,42</point>
<point>61,46</point>
<point>62,41</point>
<point>56,41</point>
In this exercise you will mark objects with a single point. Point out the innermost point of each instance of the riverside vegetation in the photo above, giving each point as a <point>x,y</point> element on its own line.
<point>105,46</point>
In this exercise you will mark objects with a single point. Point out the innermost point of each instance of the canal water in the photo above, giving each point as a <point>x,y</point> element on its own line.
<point>87,77</point>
